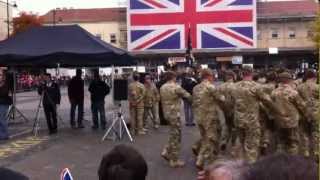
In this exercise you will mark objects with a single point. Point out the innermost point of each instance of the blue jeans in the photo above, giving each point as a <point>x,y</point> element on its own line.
<point>3,121</point>
<point>188,112</point>
<point>98,108</point>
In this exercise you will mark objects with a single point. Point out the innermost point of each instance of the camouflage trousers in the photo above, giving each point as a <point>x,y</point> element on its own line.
<point>250,140</point>
<point>207,146</point>
<point>309,139</point>
<point>151,113</point>
<point>136,119</point>
<point>174,143</point>
<point>288,140</point>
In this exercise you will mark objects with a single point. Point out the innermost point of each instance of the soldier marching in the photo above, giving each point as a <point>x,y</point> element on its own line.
<point>273,114</point>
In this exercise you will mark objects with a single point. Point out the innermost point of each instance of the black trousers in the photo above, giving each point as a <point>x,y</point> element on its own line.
<point>74,105</point>
<point>50,112</point>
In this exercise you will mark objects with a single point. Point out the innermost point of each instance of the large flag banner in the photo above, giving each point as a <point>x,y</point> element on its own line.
<point>214,24</point>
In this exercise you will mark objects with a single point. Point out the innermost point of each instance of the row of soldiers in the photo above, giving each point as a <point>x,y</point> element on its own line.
<point>254,114</point>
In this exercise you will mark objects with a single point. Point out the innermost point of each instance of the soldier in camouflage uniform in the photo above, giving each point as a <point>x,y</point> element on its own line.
<point>287,107</point>
<point>136,105</point>
<point>225,89</point>
<point>266,118</point>
<point>205,102</point>
<point>309,91</point>
<point>151,100</point>
<point>171,94</point>
<point>246,95</point>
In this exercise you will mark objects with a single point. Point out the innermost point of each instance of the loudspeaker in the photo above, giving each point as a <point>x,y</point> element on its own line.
<point>120,91</point>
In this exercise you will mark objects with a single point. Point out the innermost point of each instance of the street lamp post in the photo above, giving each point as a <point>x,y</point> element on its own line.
<point>8,16</point>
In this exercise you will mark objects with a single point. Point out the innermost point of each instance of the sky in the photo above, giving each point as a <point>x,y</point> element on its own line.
<point>41,7</point>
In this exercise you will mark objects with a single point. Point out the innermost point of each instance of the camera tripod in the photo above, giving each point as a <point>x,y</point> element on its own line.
<point>123,128</point>
<point>36,123</point>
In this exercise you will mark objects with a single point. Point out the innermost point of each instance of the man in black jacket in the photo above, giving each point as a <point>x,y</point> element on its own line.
<point>188,83</point>
<point>76,97</point>
<point>50,91</point>
<point>98,90</point>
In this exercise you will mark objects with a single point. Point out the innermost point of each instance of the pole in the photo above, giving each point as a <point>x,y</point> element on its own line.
<point>8,19</point>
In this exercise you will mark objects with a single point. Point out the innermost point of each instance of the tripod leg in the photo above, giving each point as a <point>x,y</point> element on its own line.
<point>126,128</point>
<point>21,114</point>
<point>109,130</point>
<point>8,114</point>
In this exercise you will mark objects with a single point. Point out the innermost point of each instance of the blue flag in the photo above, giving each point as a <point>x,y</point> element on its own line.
<point>66,175</point>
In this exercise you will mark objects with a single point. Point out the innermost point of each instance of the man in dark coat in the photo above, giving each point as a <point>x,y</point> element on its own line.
<point>98,90</point>
<point>76,97</point>
<point>50,92</point>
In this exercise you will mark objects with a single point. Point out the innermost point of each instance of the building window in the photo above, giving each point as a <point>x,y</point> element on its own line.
<point>292,33</point>
<point>113,38</point>
<point>274,33</point>
<point>99,36</point>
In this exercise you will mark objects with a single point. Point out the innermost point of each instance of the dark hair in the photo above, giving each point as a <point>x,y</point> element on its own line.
<point>136,76</point>
<point>78,72</point>
<point>7,174</point>
<point>283,167</point>
<point>123,163</point>
<point>170,75</point>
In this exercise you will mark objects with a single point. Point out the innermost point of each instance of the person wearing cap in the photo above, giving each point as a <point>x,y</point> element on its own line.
<point>246,95</point>
<point>205,103</point>
<point>309,91</point>
<point>136,105</point>
<point>287,108</point>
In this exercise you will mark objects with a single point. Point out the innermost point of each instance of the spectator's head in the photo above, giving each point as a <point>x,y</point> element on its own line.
<point>271,76</point>
<point>283,167</point>
<point>7,174</point>
<point>224,170</point>
<point>207,74</point>
<point>47,76</point>
<point>96,75</point>
<point>135,76</point>
<point>123,163</point>
<point>79,73</point>
<point>171,76</point>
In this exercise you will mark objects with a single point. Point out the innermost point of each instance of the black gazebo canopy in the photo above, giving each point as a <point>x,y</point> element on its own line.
<point>68,46</point>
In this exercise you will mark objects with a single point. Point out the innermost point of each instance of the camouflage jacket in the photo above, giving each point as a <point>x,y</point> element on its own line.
<point>246,103</point>
<point>288,106</point>
<point>152,95</point>
<point>226,89</point>
<point>309,91</point>
<point>136,94</point>
<point>171,95</point>
<point>204,102</point>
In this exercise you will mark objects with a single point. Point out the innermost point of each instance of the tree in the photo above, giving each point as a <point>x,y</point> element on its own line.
<point>25,21</point>
<point>316,30</point>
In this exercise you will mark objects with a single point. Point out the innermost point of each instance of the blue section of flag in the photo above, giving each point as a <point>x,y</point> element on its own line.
<point>66,175</point>
<point>242,2</point>
<point>138,34</point>
<point>173,42</point>
<point>209,41</point>
<point>246,31</point>
<point>177,2</point>
<point>203,1</point>
<point>135,4</point>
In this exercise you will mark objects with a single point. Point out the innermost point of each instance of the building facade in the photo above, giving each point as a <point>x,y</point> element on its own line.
<point>109,24</point>
<point>3,20</point>
<point>283,26</point>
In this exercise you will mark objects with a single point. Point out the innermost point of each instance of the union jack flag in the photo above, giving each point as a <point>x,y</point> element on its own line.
<point>214,24</point>
<point>66,175</point>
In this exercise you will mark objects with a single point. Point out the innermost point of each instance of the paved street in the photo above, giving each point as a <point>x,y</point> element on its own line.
<point>44,157</point>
